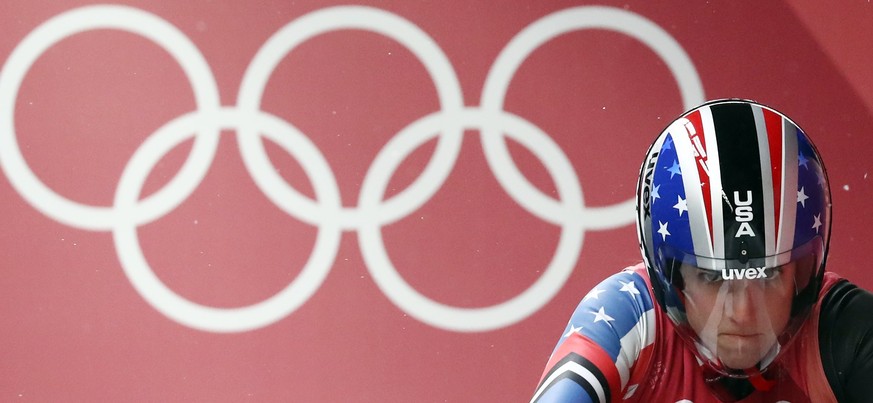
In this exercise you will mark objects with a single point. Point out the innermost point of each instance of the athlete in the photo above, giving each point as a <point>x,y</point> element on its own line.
<point>732,301</point>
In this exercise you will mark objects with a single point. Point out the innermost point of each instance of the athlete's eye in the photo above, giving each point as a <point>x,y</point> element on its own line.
<point>773,273</point>
<point>709,276</point>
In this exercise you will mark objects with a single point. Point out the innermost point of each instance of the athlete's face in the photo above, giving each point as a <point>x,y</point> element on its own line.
<point>738,320</point>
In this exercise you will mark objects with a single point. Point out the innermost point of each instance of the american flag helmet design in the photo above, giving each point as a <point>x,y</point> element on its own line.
<point>732,186</point>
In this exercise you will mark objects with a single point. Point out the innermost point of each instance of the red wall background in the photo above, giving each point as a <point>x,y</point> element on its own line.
<point>382,261</point>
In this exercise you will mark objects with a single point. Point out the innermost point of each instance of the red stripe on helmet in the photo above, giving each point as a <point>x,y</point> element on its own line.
<point>774,135</point>
<point>700,157</point>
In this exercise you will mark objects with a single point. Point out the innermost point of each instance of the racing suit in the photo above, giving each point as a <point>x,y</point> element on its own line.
<point>619,346</point>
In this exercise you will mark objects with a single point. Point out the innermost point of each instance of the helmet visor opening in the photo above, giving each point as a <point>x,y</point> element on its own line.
<point>737,310</point>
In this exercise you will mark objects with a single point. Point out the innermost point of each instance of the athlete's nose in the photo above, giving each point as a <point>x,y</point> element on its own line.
<point>739,305</point>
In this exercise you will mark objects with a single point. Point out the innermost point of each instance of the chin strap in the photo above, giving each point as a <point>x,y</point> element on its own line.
<point>729,389</point>
<point>757,379</point>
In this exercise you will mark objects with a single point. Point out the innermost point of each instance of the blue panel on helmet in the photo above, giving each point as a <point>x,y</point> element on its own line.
<point>668,202</point>
<point>811,194</point>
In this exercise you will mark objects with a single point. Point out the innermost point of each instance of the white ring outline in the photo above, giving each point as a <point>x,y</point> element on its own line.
<point>126,215</point>
<point>570,214</point>
<point>442,315</point>
<point>282,43</point>
<point>180,309</point>
<point>133,20</point>
<point>534,36</point>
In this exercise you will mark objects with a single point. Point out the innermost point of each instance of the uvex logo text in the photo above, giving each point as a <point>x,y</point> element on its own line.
<point>647,183</point>
<point>750,273</point>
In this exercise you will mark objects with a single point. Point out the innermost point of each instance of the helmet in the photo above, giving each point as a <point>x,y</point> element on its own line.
<point>733,214</point>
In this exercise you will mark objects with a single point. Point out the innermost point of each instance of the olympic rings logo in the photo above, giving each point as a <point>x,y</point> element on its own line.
<point>326,211</point>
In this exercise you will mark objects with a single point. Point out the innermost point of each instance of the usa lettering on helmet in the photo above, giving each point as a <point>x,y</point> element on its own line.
<point>744,214</point>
